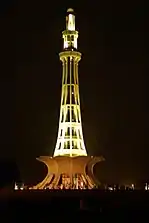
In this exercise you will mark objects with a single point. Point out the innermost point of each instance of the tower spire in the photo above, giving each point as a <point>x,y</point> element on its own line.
<point>70,20</point>
<point>70,35</point>
<point>70,140</point>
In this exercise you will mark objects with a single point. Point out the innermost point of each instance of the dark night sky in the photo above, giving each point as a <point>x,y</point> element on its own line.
<point>112,84</point>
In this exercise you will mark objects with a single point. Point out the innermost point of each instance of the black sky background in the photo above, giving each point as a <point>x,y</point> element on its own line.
<point>111,76</point>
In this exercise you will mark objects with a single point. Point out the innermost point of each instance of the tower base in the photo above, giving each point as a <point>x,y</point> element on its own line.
<point>69,172</point>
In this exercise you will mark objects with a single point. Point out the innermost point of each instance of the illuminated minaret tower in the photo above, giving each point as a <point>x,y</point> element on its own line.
<point>70,167</point>
<point>70,137</point>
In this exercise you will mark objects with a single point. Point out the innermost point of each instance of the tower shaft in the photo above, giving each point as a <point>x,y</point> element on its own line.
<point>70,140</point>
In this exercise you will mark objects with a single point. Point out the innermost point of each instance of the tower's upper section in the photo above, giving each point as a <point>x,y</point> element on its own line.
<point>70,35</point>
<point>70,20</point>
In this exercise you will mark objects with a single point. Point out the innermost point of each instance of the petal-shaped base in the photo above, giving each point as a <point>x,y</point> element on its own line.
<point>69,172</point>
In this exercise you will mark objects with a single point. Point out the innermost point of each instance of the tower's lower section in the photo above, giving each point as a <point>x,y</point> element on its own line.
<point>69,172</point>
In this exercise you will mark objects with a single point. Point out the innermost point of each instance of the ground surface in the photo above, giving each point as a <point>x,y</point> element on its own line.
<point>67,206</point>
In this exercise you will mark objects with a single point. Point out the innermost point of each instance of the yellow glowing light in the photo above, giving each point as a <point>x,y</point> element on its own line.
<point>70,35</point>
<point>146,186</point>
<point>70,140</point>
<point>71,22</point>
<point>70,10</point>
<point>16,187</point>
<point>110,188</point>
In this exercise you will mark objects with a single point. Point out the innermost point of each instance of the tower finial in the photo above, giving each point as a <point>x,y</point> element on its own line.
<point>70,10</point>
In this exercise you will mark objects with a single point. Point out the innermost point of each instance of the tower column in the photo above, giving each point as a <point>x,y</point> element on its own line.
<point>70,140</point>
